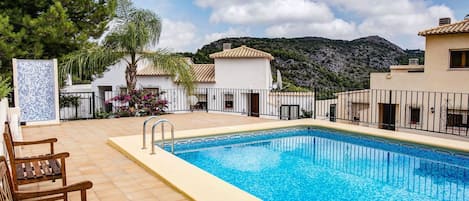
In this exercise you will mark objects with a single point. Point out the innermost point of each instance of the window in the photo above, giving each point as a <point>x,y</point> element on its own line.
<point>155,91</point>
<point>414,115</point>
<point>454,120</point>
<point>459,59</point>
<point>228,101</point>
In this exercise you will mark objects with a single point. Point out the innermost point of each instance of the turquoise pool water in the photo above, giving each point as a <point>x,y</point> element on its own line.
<point>316,164</point>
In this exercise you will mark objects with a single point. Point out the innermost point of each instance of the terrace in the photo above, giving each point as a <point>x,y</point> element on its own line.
<point>114,176</point>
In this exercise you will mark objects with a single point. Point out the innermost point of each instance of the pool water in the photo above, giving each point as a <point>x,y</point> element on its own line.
<point>317,164</point>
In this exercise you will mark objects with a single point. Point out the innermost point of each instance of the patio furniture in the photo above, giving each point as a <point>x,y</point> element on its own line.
<point>38,168</point>
<point>8,193</point>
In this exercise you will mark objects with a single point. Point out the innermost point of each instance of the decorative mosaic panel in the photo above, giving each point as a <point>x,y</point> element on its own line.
<point>35,83</point>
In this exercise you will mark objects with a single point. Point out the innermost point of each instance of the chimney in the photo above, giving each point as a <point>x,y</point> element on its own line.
<point>414,61</point>
<point>444,21</point>
<point>226,46</point>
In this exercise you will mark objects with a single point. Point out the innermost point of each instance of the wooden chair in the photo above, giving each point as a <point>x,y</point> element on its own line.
<point>38,168</point>
<point>8,193</point>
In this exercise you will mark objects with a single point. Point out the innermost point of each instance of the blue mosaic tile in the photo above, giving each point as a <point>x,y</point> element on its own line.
<point>36,90</point>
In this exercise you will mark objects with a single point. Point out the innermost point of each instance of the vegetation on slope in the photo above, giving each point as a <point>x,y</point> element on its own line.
<point>320,62</point>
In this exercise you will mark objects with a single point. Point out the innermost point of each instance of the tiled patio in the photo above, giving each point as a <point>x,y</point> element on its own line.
<point>114,176</point>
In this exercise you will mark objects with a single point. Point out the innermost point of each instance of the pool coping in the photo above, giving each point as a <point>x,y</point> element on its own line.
<point>204,186</point>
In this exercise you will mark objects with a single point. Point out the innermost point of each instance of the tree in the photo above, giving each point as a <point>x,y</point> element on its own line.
<point>50,28</point>
<point>132,33</point>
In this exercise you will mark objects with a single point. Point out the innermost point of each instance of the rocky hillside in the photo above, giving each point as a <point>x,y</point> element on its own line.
<point>322,62</point>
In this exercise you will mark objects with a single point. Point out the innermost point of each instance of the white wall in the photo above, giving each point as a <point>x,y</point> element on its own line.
<point>161,82</point>
<point>437,76</point>
<point>115,77</point>
<point>243,73</point>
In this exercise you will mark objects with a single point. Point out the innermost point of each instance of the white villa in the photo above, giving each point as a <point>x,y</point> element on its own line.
<point>239,81</point>
<point>431,97</point>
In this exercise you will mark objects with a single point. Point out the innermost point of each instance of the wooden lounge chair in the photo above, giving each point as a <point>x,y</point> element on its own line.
<point>34,169</point>
<point>8,193</point>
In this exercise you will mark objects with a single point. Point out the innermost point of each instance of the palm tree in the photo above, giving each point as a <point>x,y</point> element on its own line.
<point>132,33</point>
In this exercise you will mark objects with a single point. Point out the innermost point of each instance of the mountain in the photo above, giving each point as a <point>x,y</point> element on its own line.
<point>321,62</point>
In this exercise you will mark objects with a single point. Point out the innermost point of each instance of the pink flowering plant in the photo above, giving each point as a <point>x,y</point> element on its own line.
<point>146,103</point>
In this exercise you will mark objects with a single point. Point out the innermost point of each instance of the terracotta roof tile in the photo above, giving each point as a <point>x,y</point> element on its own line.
<point>242,52</point>
<point>458,27</point>
<point>149,70</point>
<point>202,72</point>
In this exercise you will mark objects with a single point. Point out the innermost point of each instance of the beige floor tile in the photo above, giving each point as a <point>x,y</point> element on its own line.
<point>114,176</point>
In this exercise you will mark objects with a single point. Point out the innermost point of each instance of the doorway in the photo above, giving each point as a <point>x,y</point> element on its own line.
<point>332,112</point>
<point>388,116</point>
<point>253,105</point>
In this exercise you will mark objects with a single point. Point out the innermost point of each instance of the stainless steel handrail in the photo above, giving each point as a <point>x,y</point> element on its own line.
<point>144,130</point>
<point>161,121</point>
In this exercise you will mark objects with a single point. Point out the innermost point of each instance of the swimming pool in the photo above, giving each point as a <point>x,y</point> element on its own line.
<point>319,164</point>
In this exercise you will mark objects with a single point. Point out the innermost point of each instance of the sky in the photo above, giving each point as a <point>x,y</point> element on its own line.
<point>190,24</point>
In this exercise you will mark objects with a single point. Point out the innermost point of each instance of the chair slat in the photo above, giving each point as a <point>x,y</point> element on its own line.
<point>45,168</point>
<point>29,171</point>
<point>37,169</point>
<point>54,166</point>
<point>20,171</point>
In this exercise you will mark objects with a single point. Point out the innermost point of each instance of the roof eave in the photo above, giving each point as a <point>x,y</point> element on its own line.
<point>269,58</point>
<point>434,34</point>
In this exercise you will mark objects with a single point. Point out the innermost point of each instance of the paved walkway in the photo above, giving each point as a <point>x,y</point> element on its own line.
<point>114,176</point>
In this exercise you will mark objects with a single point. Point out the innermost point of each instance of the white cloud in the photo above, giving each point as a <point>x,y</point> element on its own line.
<point>266,11</point>
<point>177,35</point>
<point>231,32</point>
<point>398,21</point>
<point>336,29</point>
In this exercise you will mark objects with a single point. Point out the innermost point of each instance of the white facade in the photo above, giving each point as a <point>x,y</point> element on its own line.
<point>243,73</point>
<point>228,85</point>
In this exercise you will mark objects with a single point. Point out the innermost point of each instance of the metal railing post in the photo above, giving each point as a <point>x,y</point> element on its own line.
<point>314,104</point>
<point>144,131</point>
<point>161,121</point>
<point>206,99</point>
<point>94,105</point>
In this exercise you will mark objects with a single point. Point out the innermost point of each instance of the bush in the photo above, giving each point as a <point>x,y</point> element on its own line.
<point>5,87</point>
<point>306,114</point>
<point>69,101</point>
<point>140,102</point>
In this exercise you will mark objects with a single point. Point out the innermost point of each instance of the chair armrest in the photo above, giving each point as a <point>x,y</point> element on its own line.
<point>82,186</point>
<point>44,141</point>
<point>51,141</point>
<point>42,158</point>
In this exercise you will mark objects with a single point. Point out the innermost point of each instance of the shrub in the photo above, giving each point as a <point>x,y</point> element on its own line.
<point>69,101</point>
<point>5,87</point>
<point>140,102</point>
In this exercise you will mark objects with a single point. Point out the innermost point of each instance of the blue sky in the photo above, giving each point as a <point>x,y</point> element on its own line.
<point>189,24</point>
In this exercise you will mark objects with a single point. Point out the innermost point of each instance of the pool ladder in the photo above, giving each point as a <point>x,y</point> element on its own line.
<point>162,122</point>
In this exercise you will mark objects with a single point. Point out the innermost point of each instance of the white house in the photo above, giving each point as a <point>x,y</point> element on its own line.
<point>430,97</point>
<point>239,81</point>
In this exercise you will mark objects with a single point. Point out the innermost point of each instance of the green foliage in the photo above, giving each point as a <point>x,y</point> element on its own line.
<point>411,54</point>
<point>101,114</point>
<point>5,88</point>
<point>69,101</point>
<point>78,80</point>
<point>318,62</point>
<point>306,114</point>
<point>135,31</point>
<point>49,28</point>
<point>289,87</point>
<point>148,103</point>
